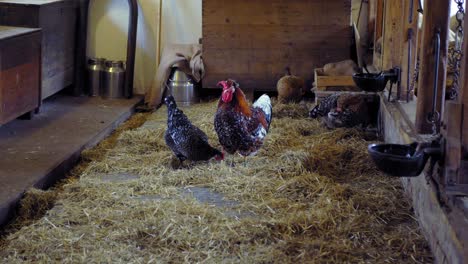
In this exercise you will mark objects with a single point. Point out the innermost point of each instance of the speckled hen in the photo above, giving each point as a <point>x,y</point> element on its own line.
<point>240,127</point>
<point>351,110</point>
<point>187,141</point>
<point>321,109</point>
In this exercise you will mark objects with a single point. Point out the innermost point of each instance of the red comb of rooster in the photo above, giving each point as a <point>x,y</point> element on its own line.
<point>224,84</point>
<point>228,84</point>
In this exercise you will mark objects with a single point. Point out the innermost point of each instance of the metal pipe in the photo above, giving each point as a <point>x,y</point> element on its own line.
<point>434,115</point>
<point>408,68</point>
<point>159,33</point>
<point>80,49</point>
<point>390,92</point>
<point>131,47</point>
<point>420,9</point>
<point>436,69</point>
<point>398,91</point>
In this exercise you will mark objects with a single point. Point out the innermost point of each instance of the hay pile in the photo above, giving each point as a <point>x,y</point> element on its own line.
<point>310,195</point>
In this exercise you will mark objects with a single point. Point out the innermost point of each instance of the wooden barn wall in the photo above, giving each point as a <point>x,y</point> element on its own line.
<point>253,41</point>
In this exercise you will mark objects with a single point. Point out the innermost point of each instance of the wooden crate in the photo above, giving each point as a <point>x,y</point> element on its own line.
<point>20,78</point>
<point>333,83</point>
<point>253,41</point>
<point>57,19</point>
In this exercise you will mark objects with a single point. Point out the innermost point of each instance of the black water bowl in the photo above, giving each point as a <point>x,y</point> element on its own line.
<point>398,160</point>
<point>370,82</point>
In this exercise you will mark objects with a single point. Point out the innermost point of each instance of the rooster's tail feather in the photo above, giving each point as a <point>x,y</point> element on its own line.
<point>264,103</point>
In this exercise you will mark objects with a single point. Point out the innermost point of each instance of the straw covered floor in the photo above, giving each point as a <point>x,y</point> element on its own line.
<point>310,195</point>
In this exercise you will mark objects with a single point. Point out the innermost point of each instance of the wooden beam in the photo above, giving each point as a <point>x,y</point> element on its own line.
<point>379,7</point>
<point>463,93</point>
<point>363,25</point>
<point>410,30</point>
<point>378,11</point>
<point>393,34</point>
<point>463,100</point>
<point>372,6</point>
<point>452,134</point>
<point>436,16</point>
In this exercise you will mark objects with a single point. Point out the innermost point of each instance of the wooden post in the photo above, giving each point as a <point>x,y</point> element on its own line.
<point>372,6</point>
<point>410,31</point>
<point>436,16</point>
<point>463,95</point>
<point>452,134</point>
<point>379,9</point>
<point>463,100</point>
<point>393,34</point>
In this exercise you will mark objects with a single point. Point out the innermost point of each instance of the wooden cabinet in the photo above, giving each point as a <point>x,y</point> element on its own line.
<point>57,19</point>
<point>252,41</point>
<point>20,78</point>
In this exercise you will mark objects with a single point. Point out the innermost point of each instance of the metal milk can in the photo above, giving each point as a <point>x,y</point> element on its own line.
<point>182,87</point>
<point>114,80</point>
<point>95,72</point>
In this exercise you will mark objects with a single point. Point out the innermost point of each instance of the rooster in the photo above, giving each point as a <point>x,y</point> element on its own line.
<point>187,141</point>
<point>241,128</point>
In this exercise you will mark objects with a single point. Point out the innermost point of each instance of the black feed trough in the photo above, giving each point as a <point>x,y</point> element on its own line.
<point>400,160</point>
<point>370,82</point>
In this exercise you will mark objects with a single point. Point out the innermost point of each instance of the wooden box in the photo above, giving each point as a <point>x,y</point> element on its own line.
<point>20,65</point>
<point>253,41</point>
<point>333,83</point>
<point>57,18</point>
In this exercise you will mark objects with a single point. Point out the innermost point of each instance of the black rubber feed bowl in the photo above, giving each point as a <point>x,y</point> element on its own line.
<point>398,160</point>
<point>370,82</point>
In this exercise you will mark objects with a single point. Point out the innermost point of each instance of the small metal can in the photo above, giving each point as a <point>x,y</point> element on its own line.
<point>114,80</point>
<point>183,88</point>
<point>95,71</point>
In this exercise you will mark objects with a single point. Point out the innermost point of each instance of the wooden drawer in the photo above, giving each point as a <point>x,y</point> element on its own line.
<point>20,64</point>
<point>57,19</point>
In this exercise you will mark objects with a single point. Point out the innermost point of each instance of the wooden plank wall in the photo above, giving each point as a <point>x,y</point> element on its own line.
<point>253,41</point>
